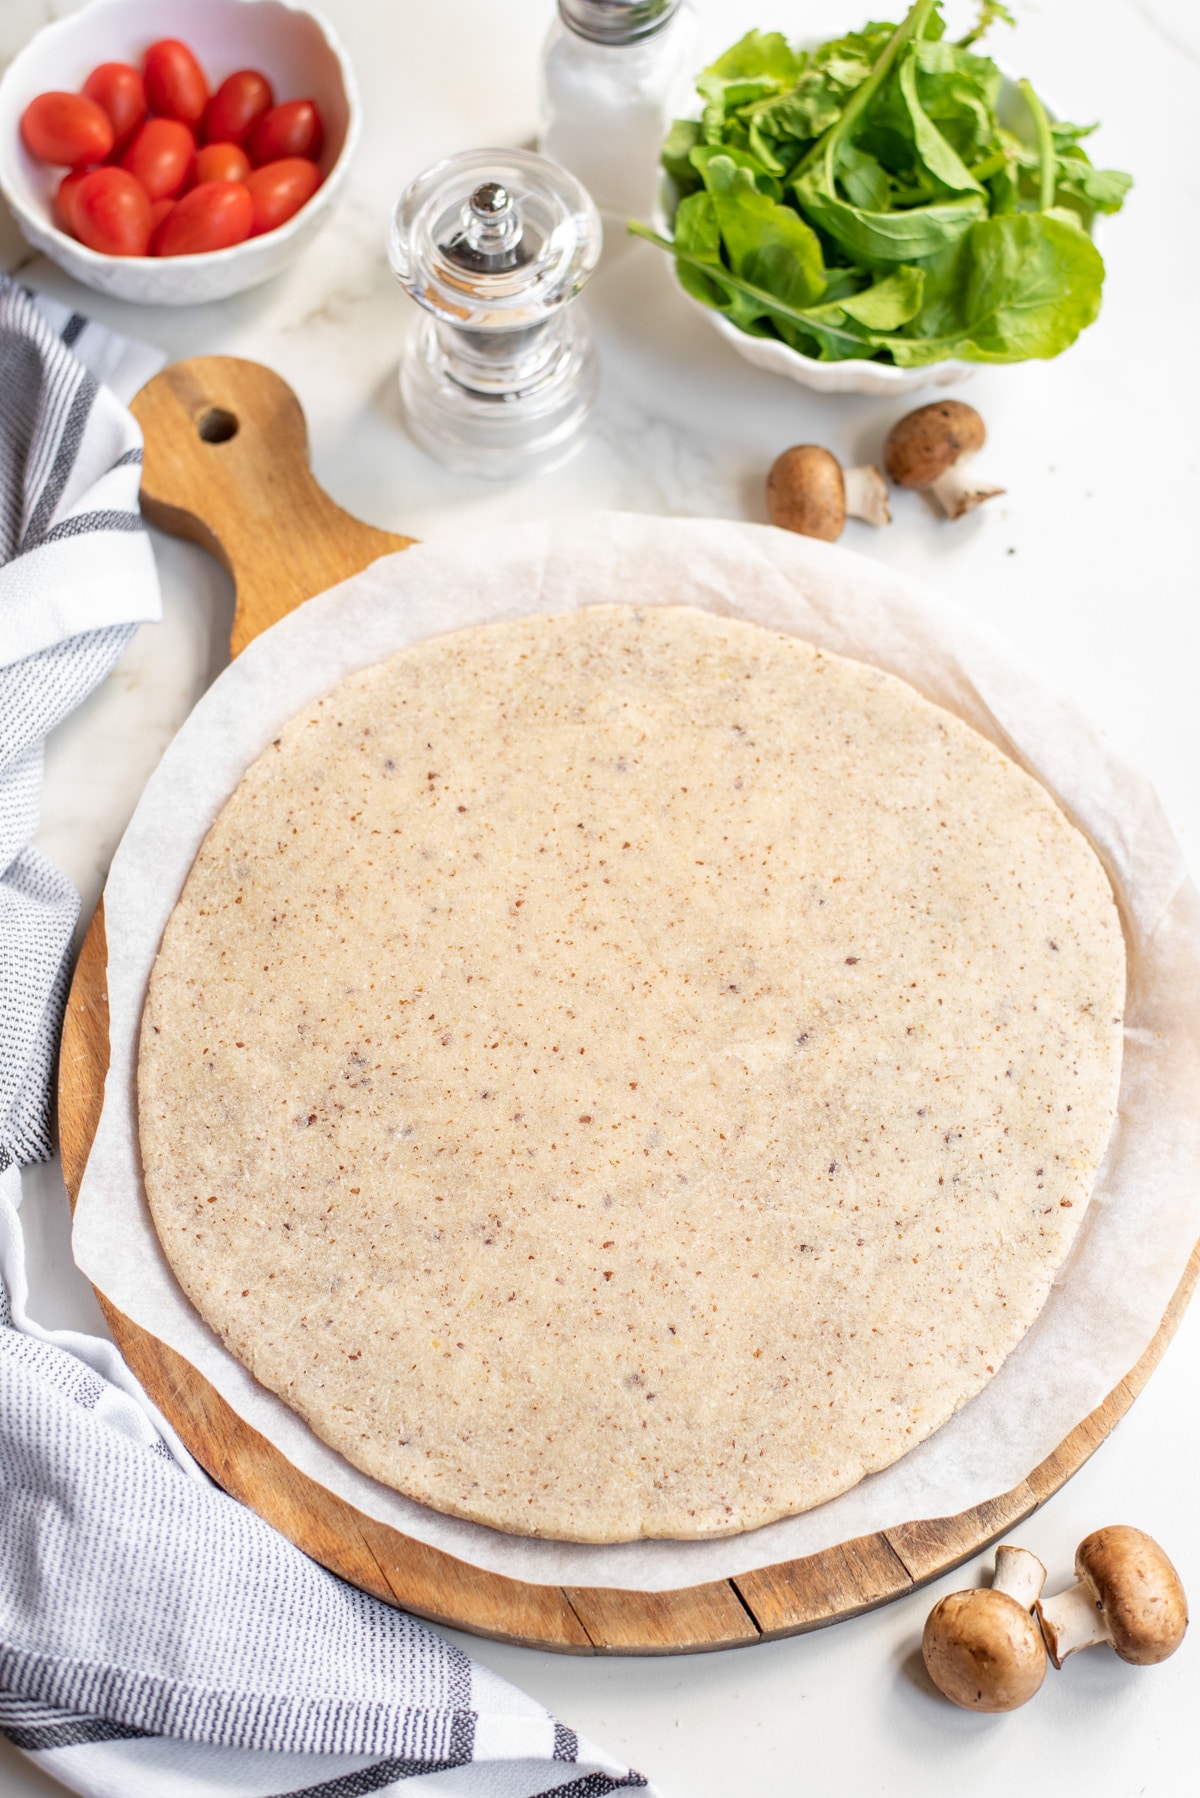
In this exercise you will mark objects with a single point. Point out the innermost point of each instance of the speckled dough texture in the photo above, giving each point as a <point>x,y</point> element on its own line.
<point>629,1074</point>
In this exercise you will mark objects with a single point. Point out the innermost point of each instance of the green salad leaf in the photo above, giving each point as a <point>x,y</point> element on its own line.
<point>1020,286</point>
<point>774,254</point>
<point>989,12</point>
<point>768,245</point>
<point>865,198</point>
<point>902,235</point>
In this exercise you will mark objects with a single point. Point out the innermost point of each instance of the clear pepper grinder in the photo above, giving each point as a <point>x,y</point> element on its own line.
<point>501,374</point>
<point>614,75</point>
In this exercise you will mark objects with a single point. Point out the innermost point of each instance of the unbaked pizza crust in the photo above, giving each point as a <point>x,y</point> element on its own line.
<point>629,1074</point>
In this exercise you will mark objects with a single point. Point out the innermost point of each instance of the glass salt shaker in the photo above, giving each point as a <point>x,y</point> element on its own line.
<point>495,245</point>
<point>614,75</point>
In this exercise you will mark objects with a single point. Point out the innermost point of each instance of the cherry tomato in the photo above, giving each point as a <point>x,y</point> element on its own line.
<point>210,217</point>
<point>219,162</point>
<point>293,129</point>
<point>64,199</point>
<point>161,157</point>
<point>67,129</point>
<point>175,84</point>
<point>280,189</point>
<point>236,106</point>
<point>117,87</point>
<point>111,213</point>
<point>159,210</point>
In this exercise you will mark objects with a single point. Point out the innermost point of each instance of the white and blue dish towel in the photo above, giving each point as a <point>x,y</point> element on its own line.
<point>157,1639</point>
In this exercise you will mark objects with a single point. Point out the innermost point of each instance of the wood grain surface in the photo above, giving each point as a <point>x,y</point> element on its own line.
<point>227,466</point>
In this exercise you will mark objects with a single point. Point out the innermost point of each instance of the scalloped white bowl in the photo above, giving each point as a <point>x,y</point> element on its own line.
<point>852,376</point>
<point>293,46</point>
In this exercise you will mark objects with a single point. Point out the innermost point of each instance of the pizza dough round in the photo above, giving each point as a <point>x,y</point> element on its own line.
<point>629,1073</point>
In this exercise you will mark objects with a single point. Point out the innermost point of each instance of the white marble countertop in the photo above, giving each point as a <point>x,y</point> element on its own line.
<point>1090,564</point>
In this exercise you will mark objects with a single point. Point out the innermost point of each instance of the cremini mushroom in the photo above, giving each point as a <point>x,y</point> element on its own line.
<point>1128,1594</point>
<point>982,1648</point>
<point>932,450</point>
<point>809,491</point>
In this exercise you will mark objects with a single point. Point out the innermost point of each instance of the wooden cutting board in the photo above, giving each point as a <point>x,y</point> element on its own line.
<point>227,466</point>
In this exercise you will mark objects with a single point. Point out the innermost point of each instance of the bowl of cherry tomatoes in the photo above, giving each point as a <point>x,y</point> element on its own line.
<point>175,151</point>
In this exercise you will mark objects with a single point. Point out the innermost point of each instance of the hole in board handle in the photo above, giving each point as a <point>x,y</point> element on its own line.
<point>216,425</point>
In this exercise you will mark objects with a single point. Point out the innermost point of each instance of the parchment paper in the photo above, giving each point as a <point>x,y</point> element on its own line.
<point>1145,1215</point>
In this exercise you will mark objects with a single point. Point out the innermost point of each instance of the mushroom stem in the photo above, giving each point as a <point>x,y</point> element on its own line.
<point>1019,1574</point>
<point>958,491</point>
<point>809,491</point>
<point>1072,1620</point>
<point>866,495</point>
<point>930,450</point>
<point>1127,1594</point>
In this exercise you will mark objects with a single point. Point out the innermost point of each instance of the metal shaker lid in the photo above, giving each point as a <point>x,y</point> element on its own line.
<point>617,21</point>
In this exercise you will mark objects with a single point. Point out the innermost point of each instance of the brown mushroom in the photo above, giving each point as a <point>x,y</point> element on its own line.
<point>809,491</point>
<point>932,449</point>
<point>1128,1593</point>
<point>982,1648</point>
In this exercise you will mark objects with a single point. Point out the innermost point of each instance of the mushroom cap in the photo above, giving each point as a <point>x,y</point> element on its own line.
<point>806,492</point>
<point>923,445</point>
<point>983,1651</point>
<point>1137,1589</point>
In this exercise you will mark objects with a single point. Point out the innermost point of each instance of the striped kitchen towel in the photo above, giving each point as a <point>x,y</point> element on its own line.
<point>76,577</point>
<point>158,1640</point>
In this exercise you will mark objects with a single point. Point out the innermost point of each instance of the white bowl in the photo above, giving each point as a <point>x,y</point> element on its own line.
<point>292,45</point>
<point>853,375</point>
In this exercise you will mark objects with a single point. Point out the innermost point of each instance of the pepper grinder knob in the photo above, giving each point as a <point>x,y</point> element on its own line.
<point>495,246</point>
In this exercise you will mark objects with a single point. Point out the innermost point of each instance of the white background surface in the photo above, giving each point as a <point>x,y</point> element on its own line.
<point>1090,564</point>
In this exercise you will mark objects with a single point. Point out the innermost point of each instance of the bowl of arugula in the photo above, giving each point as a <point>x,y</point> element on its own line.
<point>885,211</point>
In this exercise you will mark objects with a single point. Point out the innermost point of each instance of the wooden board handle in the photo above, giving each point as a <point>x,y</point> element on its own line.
<point>227,467</point>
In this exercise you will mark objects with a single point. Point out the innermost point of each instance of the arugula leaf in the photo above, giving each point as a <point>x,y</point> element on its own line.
<point>726,96</point>
<point>768,245</point>
<point>1047,167</point>
<point>989,12</point>
<point>841,284</point>
<point>881,237</point>
<point>758,54</point>
<point>697,250</point>
<point>760,144</point>
<point>959,91</point>
<point>1067,137</point>
<point>757,66</point>
<point>813,105</point>
<point>766,183</point>
<point>1019,287</point>
<point>884,306</point>
<point>681,140</point>
<point>1097,190</point>
<point>702,272</point>
<point>889,302</point>
<point>864,179</point>
<point>940,161</point>
<point>1089,189</point>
